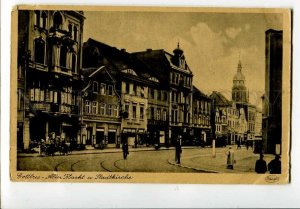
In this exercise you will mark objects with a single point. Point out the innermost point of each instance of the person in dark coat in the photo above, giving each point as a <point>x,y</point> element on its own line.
<point>275,165</point>
<point>261,165</point>
<point>125,150</point>
<point>178,150</point>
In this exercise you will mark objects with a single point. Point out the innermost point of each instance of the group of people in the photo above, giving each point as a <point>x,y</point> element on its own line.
<point>261,166</point>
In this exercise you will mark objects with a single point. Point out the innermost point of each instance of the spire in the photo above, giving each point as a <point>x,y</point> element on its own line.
<point>178,45</point>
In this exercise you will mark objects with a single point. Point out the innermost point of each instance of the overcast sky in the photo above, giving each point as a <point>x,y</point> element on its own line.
<point>211,42</point>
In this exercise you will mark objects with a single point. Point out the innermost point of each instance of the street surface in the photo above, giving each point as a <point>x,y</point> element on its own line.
<point>142,160</point>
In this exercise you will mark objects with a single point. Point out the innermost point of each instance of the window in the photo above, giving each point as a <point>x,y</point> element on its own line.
<point>152,94</point>
<point>127,108</point>
<point>165,97</point>
<point>70,28</point>
<point>134,112</point>
<point>152,113</point>
<point>141,112</point>
<point>142,92</point>
<point>63,56</point>
<point>164,115</point>
<point>95,87</point>
<point>102,109</point>
<point>87,107</point>
<point>134,89</point>
<point>94,107</point>
<point>57,20</point>
<point>127,88</point>
<point>39,50</point>
<point>110,90</point>
<point>20,99</point>
<point>74,61</point>
<point>109,109</point>
<point>158,114</point>
<point>103,89</point>
<point>75,33</point>
<point>44,20</point>
<point>158,95</point>
<point>37,18</point>
<point>115,111</point>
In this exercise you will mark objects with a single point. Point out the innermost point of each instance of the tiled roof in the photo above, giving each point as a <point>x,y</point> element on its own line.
<point>220,99</point>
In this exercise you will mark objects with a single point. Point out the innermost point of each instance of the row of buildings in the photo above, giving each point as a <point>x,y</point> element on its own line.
<point>93,94</point>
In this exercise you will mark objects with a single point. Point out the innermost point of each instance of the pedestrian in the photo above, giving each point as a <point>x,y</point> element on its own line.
<point>261,165</point>
<point>125,150</point>
<point>274,166</point>
<point>230,158</point>
<point>239,144</point>
<point>178,150</point>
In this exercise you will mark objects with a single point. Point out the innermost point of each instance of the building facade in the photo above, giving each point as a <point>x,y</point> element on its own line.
<point>272,98</point>
<point>176,78</point>
<point>49,63</point>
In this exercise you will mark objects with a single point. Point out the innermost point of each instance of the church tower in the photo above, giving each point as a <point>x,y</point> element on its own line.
<point>239,90</point>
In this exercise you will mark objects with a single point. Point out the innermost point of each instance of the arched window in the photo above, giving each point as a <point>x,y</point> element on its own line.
<point>70,29</point>
<point>75,33</point>
<point>44,20</point>
<point>39,50</point>
<point>63,56</point>
<point>37,18</point>
<point>57,20</point>
<point>74,61</point>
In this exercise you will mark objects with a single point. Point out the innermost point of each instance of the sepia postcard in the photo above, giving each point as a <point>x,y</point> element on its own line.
<point>150,95</point>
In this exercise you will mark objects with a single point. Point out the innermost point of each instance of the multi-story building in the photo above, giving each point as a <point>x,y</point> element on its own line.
<point>176,77</point>
<point>49,63</point>
<point>258,124</point>
<point>201,116</point>
<point>100,121</point>
<point>132,82</point>
<point>272,99</point>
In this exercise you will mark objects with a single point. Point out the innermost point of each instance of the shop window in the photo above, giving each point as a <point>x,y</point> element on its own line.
<point>39,50</point>
<point>57,21</point>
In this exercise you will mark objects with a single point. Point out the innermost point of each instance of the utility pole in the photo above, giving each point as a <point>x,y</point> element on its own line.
<point>213,127</point>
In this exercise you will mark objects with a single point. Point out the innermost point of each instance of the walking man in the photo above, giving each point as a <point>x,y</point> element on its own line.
<point>178,150</point>
<point>125,150</point>
<point>261,165</point>
<point>230,158</point>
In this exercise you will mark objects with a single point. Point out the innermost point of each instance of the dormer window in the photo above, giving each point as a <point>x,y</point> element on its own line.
<point>153,79</point>
<point>57,21</point>
<point>129,71</point>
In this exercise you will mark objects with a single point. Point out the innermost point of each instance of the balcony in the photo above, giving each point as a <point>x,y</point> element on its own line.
<point>65,108</point>
<point>62,70</point>
<point>39,106</point>
<point>38,66</point>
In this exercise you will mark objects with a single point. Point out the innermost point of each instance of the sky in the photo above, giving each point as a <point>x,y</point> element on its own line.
<point>212,43</point>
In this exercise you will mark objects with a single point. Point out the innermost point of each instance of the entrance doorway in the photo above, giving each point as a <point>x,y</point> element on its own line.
<point>99,136</point>
<point>111,136</point>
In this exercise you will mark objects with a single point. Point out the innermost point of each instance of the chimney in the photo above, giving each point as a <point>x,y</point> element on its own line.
<point>123,50</point>
<point>149,50</point>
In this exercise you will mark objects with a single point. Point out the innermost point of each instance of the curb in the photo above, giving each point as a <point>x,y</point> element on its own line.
<point>196,169</point>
